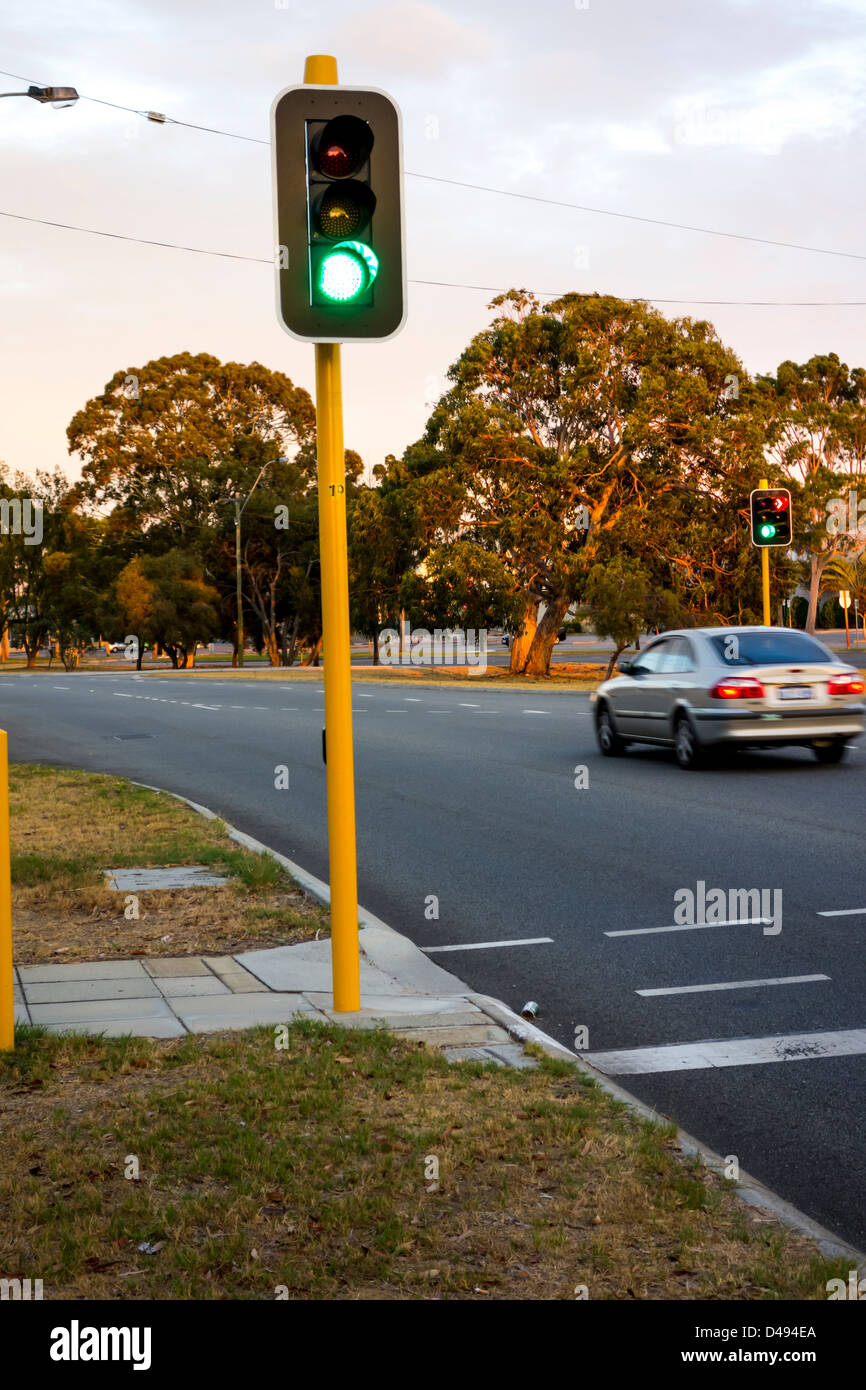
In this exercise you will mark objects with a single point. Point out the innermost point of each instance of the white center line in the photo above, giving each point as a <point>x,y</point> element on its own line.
<point>491,945</point>
<point>738,1052</point>
<point>207,706</point>
<point>410,699</point>
<point>464,705</point>
<point>734,984</point>
<point>844,912</point>
<point>695,926</point>
<point>536,711</point>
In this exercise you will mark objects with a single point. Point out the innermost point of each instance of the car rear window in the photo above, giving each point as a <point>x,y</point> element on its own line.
<point>768,648</point>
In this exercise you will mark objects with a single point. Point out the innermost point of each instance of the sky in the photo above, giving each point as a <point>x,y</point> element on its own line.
<point>744,116</point>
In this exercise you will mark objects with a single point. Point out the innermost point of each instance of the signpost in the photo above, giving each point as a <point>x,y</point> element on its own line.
<point>845,600</point>
<point>340,275</point>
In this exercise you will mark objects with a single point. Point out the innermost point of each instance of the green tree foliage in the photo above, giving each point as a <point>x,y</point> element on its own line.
<point>166,599</point>
<point>587,428</point>
<point>816,426</point>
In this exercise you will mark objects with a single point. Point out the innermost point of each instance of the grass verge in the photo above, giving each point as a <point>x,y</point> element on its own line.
<point>351,1165</point>
<point>67,826</point>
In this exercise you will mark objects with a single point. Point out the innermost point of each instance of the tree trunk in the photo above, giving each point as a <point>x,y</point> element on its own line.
<point>614,659</point>
<point>313,657</point>
<point>295,626</point>
<point>538,660</point>
<point>814,587</point>
<point>272,648</point>
<point>189,658</point>
<point>375,649</point>
<point>522,641</point>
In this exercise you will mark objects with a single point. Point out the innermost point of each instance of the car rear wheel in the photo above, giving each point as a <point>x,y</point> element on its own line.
<point>688,751</point>
<point>610,742</point>
<point>830,752</point>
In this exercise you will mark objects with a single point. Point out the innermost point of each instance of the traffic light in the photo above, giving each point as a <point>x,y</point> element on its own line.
<point>338,203</point>
<point>770,516</point>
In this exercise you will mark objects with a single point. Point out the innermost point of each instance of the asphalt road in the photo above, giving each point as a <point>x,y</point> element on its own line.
<point>470,796</point>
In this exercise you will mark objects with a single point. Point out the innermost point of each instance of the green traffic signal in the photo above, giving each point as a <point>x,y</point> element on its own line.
<point>347,271</point>
<point>768,531</point>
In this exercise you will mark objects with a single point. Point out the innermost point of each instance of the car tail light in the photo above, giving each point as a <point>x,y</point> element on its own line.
<point>846,685</point>
<point>738,688</point>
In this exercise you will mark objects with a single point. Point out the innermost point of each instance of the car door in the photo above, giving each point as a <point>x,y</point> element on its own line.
<point>632,704</point>
<point>675,676</point>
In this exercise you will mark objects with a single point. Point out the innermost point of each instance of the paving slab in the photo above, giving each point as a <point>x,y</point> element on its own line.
<point>89,970</point>
<point>398,1021</point>
<point>118,1027</point>
<point>191,986</point>
<point>242,982</point>
<point>241,1011</point>
<point>280,969</point>
<point>61,991</point>
<point>395,1003</point>
<point>238,979</point>
<point>102,1011</point>
<point>470,1054</point>
<point>456,1037</point>
<point>176,965</point>
<point>151,880</point>
<point>20,1014</point>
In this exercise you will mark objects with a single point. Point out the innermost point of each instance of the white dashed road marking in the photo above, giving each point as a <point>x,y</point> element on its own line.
<point>491,945</point>
<point>844,912</point>
<point>695,926</point>
<point>734,984</point>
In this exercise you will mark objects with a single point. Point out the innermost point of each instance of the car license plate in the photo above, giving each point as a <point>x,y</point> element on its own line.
<point>796,692</point>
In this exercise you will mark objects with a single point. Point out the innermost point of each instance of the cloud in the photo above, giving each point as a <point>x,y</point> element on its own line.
<point>415,38</point>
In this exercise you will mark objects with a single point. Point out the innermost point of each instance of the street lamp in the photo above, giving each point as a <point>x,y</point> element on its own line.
<point>240,504</point>
<point>48,96</point>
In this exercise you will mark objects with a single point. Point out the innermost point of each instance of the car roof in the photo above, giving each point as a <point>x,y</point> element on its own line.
<point>746,627</point>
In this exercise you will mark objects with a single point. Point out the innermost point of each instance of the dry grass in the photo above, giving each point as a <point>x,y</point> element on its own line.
<point>307,1169</point>
<point>68,826</point>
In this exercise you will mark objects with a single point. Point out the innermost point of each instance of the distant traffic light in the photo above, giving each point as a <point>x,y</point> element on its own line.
<point>770,509</point>
<point>338,191</point>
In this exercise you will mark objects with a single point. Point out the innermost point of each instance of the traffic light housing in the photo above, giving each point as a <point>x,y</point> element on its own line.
<point>338,205</point>
<point>770,509</point>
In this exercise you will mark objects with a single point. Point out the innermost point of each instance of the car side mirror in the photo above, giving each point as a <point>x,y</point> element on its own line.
<point>626,665</point>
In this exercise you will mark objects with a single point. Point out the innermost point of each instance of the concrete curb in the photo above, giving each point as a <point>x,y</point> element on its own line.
<point>396,955</point>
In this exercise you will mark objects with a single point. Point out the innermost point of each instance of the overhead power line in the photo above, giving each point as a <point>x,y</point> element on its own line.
<point>506,192</point>
<point>444,284</point>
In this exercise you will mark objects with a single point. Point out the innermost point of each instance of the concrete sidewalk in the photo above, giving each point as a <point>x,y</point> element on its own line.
<point>167,997</point>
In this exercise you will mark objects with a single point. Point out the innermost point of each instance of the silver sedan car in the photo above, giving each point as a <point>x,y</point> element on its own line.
<point>747,687</point>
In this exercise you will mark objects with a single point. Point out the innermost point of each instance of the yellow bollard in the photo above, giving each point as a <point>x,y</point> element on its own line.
<point>7,1014</point>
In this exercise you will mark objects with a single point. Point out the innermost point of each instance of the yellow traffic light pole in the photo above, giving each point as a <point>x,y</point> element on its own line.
<point>7,1012</point>
<point>765,571</point>
<point>339,767</point>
